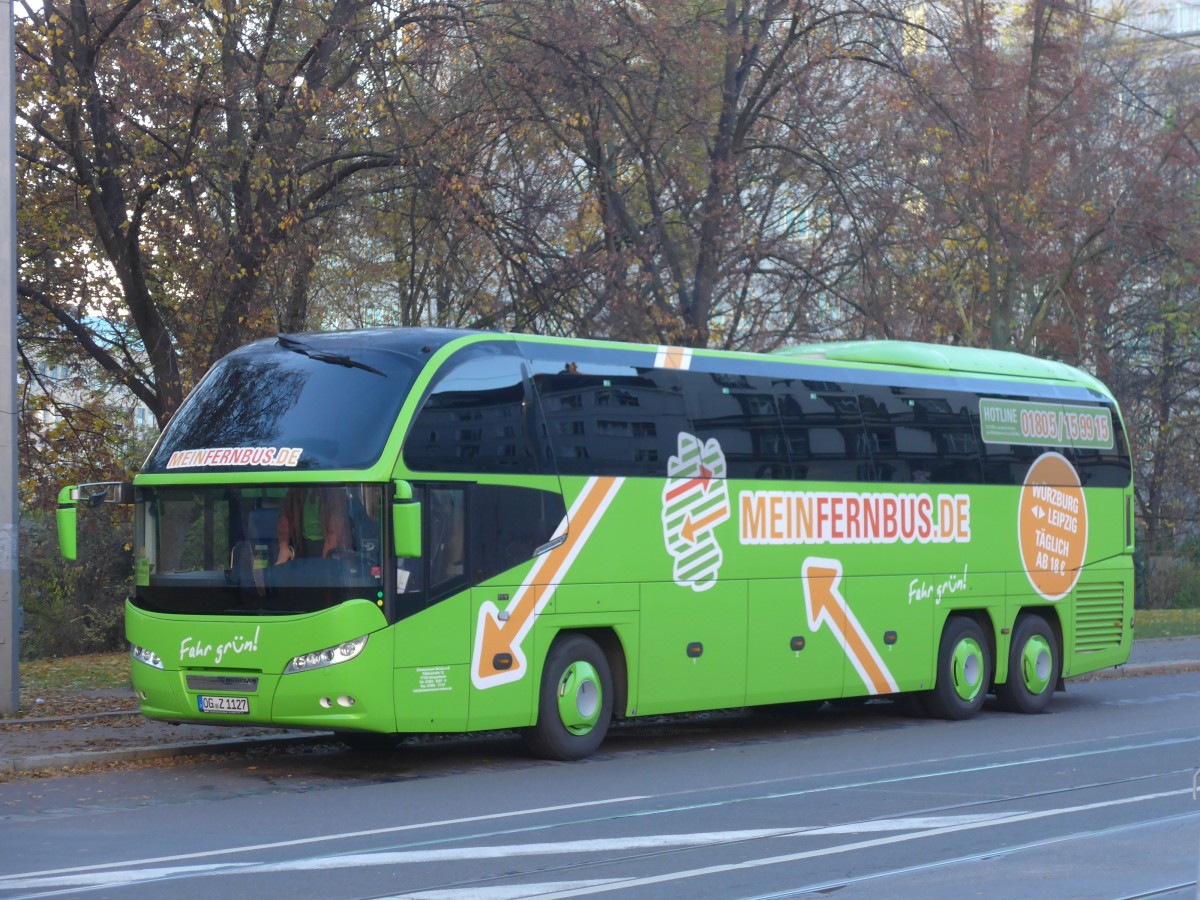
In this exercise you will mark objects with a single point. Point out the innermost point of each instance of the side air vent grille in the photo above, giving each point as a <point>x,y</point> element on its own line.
<point>1099,615</point>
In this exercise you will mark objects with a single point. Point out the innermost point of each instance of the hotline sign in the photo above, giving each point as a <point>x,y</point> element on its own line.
<point>1037,424</point>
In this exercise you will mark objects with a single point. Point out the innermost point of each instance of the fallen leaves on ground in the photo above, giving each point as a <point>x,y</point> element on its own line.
<point>74,686</point>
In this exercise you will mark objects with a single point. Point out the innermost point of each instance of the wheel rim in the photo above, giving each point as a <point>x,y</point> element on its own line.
<point>968,669</point>
<point>1037,664</point>
<point>579,698</point>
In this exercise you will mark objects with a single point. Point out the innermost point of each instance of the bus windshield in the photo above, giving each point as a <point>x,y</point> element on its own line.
<point>257,550</point>
<point>269,405</point>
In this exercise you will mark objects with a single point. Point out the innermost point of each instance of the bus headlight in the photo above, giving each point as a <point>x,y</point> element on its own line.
<point>149,657</point>
<point>330,656</point>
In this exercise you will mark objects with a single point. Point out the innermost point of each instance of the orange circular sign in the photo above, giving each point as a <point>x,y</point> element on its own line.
<point>1052,526</point>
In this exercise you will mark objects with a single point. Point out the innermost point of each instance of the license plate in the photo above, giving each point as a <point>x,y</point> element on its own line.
<point>235,706</point>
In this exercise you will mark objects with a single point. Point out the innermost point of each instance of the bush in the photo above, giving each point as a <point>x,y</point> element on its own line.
<point>1187,595</point>
<point>71,608</point>
<point>1169,581</point>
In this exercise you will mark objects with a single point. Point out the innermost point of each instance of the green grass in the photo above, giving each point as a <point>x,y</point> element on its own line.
<point>99,671</point>
<point>72,685</point>
<point>72,675</point>
<point>1160,623</point>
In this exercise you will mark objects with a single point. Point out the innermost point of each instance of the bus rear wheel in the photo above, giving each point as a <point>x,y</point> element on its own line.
<point>574,703</point>
<point>964,671</point>
<point>1034,663</point>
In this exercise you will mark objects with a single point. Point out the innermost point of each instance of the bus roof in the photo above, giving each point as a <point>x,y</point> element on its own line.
<point>902,354</point>
<point>406,341</point>
<point>944,358</point>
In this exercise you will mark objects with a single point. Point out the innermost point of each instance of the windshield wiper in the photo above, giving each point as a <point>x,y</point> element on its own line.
<point>337,359</point>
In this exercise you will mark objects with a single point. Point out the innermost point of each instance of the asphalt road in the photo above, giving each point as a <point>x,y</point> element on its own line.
<point>1094,799</point>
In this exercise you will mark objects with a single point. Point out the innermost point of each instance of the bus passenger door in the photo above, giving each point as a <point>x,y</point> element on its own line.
<point>510,531</point>
<point>504,696</point>
<point>433,630</point>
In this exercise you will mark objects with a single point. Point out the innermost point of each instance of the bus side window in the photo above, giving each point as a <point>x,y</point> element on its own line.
<point>441,568</point>
<point>446,545</point>
<point>509,525</point>
<point>479,418</point>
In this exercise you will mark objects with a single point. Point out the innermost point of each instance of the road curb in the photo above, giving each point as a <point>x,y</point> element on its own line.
<point>50,761</point>
<point>74,717</point>
<point>1168,667</point>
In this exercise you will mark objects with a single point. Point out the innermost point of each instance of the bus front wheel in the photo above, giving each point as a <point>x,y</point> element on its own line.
<point>574,703</point>
<point>964,671</point>
<point>1033,666</point>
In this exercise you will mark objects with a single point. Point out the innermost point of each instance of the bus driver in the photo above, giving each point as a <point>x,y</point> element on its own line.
<point>314,522</point>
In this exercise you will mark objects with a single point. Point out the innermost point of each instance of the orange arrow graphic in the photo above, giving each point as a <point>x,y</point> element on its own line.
<point>826,605</point>
<point>702,482</point>
<point>497,657</point>
<point>690,528</point>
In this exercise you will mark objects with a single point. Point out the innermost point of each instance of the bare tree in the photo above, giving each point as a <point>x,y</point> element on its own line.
<point>187,146</point>
<point>700,162</point>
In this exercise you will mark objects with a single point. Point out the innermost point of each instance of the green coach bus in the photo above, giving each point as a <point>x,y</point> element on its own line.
<point>393,531</point>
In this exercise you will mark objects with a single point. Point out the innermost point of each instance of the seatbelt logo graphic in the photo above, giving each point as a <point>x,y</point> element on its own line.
<point>695,502</point>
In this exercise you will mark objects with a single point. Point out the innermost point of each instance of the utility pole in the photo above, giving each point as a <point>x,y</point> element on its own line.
<point>10,584</point>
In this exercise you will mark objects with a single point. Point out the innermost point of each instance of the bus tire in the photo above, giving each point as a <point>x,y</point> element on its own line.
<point>964,671</point>
<point>574,702</point>
<point>1034,661</point>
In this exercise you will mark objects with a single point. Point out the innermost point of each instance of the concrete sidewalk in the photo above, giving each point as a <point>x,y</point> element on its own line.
<point>1159,656</point>
<point>41,744</point>
<point>33,745</point>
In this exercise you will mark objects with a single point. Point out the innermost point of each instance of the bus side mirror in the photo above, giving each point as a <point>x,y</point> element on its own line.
<point>406,523</point>
<point>68,498</point>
